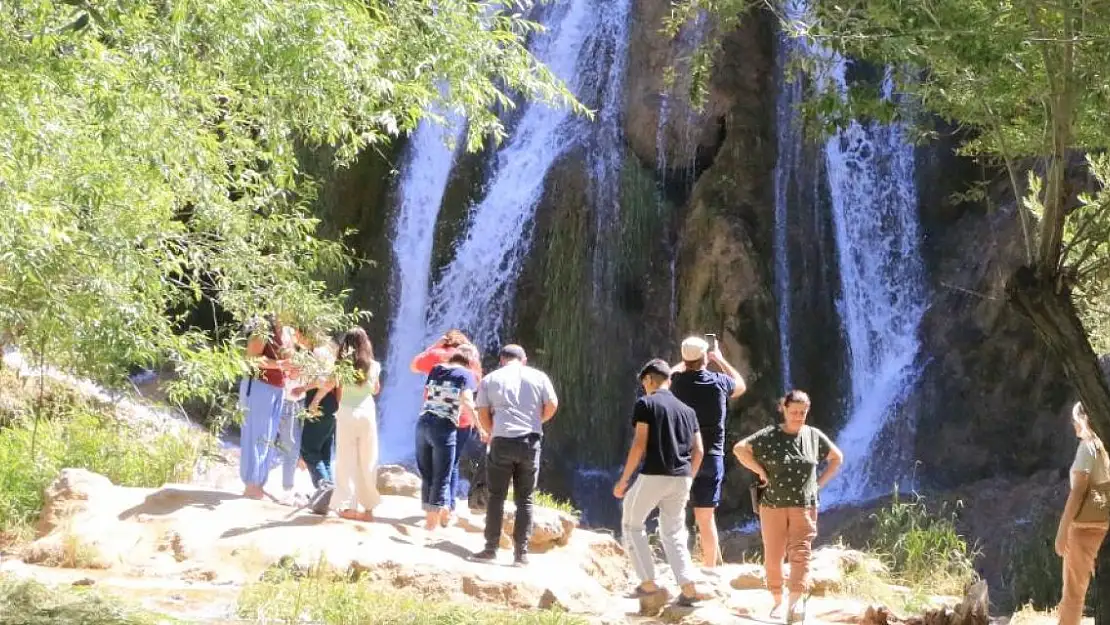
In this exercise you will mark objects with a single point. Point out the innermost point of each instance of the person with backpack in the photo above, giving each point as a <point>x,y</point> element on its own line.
<point>785,458</point>
<point>1085,519</point>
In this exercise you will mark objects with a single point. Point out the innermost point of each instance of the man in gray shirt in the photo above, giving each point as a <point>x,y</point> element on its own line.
<point>513,404</point>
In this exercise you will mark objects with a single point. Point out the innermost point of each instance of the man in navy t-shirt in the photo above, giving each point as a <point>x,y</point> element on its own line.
<point>666,439</point>
<point>707,392</point>
<point>448,391</point>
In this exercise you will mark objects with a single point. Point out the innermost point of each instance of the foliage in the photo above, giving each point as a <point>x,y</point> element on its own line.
<point>150,165</point>
<point>922,549</point>
<point>1033,574</point>
<point>83,435</point>
<point>30,603</point>
<point>322,597</point>
<point>545,500</point>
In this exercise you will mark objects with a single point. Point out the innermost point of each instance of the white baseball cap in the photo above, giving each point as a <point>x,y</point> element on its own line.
<point>694,348</point>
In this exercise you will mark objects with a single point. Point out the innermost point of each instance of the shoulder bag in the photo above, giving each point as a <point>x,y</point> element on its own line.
<point>1096,502</point>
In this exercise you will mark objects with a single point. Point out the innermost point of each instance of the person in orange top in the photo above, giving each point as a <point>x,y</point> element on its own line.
<point>439,353</point>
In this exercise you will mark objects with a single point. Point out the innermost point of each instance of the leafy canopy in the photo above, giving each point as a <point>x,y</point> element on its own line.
<point>147,156</point>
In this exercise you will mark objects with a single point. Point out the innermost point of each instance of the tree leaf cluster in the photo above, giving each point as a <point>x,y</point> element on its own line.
<point>148,157</point>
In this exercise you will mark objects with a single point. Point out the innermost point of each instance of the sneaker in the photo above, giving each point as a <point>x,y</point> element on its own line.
<point>521,559</point>
<point>485,555</point>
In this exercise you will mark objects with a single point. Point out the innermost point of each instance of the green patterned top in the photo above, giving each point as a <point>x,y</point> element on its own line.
<point>791,463</point>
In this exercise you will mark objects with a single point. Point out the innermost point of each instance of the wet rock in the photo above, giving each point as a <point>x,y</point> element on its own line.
<point>747,576</point>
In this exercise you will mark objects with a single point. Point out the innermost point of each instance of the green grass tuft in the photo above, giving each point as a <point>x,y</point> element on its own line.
<point>922,549</point>
<point>323,597</point>
<point>76,433</point>
<point>31,603</point>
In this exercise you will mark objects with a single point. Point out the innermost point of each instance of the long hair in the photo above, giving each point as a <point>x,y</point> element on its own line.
<point>357,348</point>
<point>454,338</point>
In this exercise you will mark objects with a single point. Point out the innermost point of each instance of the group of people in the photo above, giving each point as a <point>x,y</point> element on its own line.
<point>298,410</point>
<point>678,448</point>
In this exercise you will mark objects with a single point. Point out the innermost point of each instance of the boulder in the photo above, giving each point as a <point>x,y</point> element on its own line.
<point>69,495</point>
<point>550,529</point>
<point>394,479</point>
<point>830,565</point>
<point>747,576</point>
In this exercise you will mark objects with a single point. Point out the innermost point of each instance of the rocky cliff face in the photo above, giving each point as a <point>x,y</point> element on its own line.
<point>692,252</point>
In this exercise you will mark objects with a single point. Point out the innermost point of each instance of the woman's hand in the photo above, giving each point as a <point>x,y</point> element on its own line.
<point>1061,544</point>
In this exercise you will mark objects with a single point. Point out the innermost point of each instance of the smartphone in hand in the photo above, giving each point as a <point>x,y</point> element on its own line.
<point>712,340</point>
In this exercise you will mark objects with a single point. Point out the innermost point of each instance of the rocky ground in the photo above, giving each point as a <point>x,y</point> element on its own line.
<point>188,550</point>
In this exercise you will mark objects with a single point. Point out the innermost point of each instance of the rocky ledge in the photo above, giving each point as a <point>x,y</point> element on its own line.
<point>199,545</point>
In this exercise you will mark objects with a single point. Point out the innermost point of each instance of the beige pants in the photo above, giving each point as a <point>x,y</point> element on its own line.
<point>356,459</point>
<point>1079,565</point>
<point>787,533</point>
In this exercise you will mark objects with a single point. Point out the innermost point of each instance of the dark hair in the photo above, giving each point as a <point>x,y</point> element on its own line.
<point>459,358</point>
<point>357,348</point>
<point>454,337</point>
<point>657,369</point>
<point>795,397</point>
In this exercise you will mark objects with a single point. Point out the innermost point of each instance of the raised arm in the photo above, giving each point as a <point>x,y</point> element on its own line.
<point>740,386</point>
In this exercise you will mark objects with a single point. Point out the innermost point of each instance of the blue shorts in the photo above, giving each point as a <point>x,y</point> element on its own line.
<point>706,490</point>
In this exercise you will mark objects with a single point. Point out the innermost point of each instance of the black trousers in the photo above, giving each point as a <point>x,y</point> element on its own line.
<point>515,461</point>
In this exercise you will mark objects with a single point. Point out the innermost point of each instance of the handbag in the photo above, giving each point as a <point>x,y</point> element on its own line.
<point>1096,502</point>
<point>756,492</point>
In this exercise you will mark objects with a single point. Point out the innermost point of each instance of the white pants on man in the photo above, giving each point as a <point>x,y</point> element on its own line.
<point>670,495</point>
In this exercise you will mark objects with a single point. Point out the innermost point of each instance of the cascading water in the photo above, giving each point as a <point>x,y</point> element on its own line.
<point>872,190</point>
<point>426,171</point>
<point>874,198</point>
<point>790,139</point>
<point>474,291</point>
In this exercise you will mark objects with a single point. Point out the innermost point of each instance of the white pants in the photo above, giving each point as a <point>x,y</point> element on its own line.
<point>670,495</point>
<point>356,459</point>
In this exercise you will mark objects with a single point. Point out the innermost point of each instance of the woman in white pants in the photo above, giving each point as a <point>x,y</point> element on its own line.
<point>356,431</point>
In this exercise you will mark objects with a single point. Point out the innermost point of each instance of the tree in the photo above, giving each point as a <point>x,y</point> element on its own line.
<point>147,157</point>
<point>1027,81</point>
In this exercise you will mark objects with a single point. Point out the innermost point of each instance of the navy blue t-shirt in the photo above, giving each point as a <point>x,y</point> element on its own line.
<point>444,389</point>
<point>672,426</point>
<point>707,392</point>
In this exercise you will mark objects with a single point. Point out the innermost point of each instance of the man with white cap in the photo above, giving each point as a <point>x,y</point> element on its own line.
<point>707,392</point>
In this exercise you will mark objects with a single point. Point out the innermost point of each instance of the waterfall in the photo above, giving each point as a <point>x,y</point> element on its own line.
<point>789,138</point>
<point>874,198</point>
<point>870,170</point>
<point>427,168</point>
<point>474,291</point>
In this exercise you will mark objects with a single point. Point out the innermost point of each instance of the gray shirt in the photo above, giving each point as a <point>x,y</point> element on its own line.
<point>515,394</point>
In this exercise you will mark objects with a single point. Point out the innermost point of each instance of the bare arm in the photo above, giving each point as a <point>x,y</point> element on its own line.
<point>549,408</point>
<point>1078,491</point>
<point>699,454</point>
<point>635,456</point>
<point>467,401</point>
<point>835,460</point>
<point>730,371</point>
<point>746,457</point>
<point>485,419</point>
<point>256,346</point>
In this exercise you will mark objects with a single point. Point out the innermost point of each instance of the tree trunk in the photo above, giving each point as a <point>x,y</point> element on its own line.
<point>1053,315</point>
